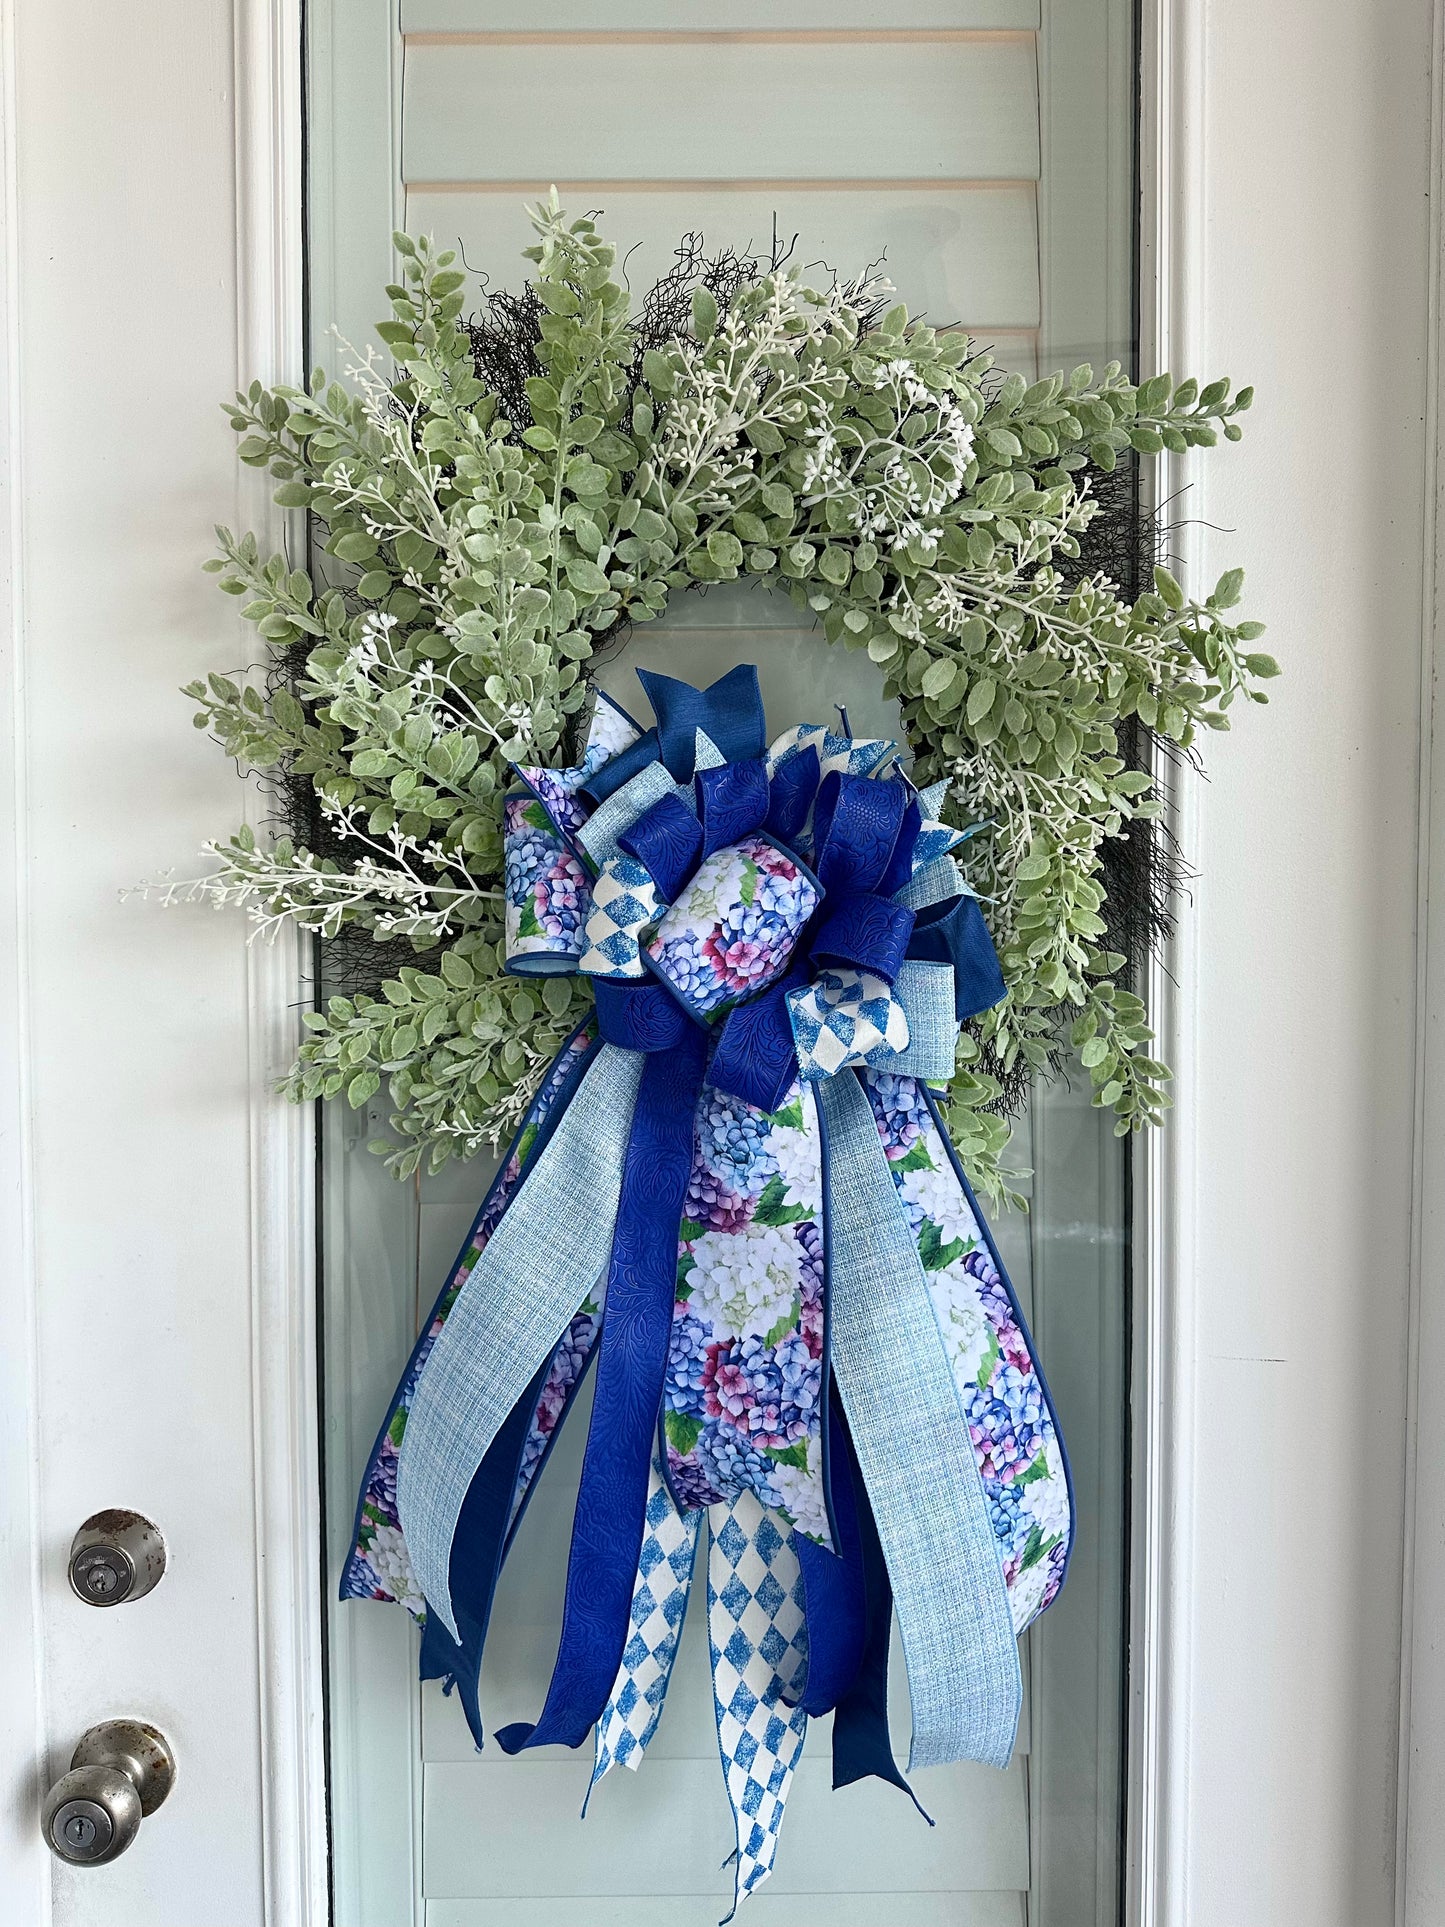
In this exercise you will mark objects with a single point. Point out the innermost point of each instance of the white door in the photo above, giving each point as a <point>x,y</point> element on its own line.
<point>158,1323</point>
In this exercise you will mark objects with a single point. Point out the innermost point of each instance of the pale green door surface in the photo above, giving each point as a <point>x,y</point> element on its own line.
<point>985,150</point>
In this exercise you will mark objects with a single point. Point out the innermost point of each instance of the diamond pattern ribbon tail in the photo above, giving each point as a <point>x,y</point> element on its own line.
<point>659,1604</point>
<point>759,1646</point>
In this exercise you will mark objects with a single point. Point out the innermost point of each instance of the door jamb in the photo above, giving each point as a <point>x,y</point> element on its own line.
<point>1172,162</point>
<point>1420,1817</point>
<point>285,1405</point>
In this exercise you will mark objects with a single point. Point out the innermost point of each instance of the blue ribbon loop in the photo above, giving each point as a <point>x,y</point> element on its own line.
<point>955,933</point>
<point>729,713</point>
<point>732,800</point>
<point>790,796</point>
<point>668,840</point>
<point>867,931</point>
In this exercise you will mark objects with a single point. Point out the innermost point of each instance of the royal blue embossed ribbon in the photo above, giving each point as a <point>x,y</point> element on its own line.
<point>636,1325</point>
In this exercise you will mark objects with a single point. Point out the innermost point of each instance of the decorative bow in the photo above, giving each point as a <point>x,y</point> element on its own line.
<point>798,1320</point>
<point>801,897</point>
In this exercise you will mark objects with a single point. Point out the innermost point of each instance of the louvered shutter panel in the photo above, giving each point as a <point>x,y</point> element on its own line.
<point>920,136</point>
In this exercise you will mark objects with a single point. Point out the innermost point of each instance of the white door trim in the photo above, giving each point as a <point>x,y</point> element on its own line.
<point>270,335</point>
<point>1175,174</point>
<point>1171,182</point>
<point>1420,1862</point>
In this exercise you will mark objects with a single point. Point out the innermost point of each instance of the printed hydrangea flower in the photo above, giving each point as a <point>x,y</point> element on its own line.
<point>714,889</point>
<point>1008,1422</point>
<point>901,1111</point>
<point>811,1315</point>
<point>1058,1559</point>
<point>768,1393</point>
<point>992,1292</point>
<point>734,925</point>
<point>1046,1502</point>
<point>744,1285</point>
<point>556,790</point>
<point>529,850</point>
<point>381,1487</point>
<point>681,962</point>
<point>739,952</point>
<point>712,1203</point>
<point>734,1466</point>
<point>563,897</point>
<point>733,1143</point>
<point>1005,1503</point>
<point>388,1557</point>
<point>688,1357</point>
<point>691,1481</point>
<point>937,1195</point>
<point>966,1332</point>
<point>997,1306</point>
<point>568,1364</point>
<point>798,1155</point>
<point>1033,1588</point>
<point>800,1494</point>
<point>608,734</point>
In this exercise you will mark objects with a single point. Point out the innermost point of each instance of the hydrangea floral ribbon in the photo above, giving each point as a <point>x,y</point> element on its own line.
<point>735,1194</point>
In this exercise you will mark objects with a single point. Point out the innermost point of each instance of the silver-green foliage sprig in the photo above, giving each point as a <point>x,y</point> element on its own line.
<point>919,505</point>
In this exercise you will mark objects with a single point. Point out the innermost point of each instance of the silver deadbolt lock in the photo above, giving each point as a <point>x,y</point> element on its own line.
<point>116,1556</point>
<point>119,1773</point>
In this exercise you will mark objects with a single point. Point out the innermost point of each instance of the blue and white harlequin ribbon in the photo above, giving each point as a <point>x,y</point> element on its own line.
<point>659,1604</point>
<point>735,1196</point>
<point>846,1017</point>
<point>624,904</point>
<point>759,1643</point>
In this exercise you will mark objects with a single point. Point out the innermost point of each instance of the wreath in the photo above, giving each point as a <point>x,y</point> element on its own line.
<point>520,487</point>
<point>711,979</point>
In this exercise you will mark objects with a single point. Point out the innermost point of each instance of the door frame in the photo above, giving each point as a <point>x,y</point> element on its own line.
<point>271,294</point>
<point>1420,1842</point>
<point>1180,64</point>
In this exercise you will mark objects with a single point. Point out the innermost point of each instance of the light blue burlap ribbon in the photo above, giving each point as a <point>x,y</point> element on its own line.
<point>913,1444</point>
<point>522,1291</point>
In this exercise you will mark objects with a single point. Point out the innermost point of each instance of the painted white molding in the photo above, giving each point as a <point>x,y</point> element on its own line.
<point>24,1863</point>
<point>1171,176</point>
<point>270,344</point>
<point>1267,1641</point>
<point>1420,1862</point>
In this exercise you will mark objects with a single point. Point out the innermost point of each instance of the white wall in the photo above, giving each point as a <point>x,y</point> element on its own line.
<point>1301,255</point>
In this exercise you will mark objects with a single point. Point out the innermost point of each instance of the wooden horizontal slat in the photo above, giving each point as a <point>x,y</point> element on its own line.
<point>766,1908</point>
<point>959,255</point>
<point>495,1828</point>
<point>707,16</point>
<point>686,1730</point>
<point>739,111</point>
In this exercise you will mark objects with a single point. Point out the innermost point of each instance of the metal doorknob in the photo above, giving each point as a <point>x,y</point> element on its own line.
<point>119,1773</point>
<point>116,1556</point>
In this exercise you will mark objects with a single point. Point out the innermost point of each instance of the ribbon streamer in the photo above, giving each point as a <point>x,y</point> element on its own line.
<point>741,1204</point>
